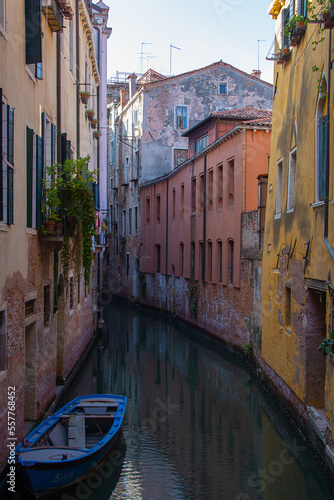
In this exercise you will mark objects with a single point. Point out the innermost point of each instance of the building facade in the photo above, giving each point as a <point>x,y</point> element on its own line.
<point>202,227</point>
<point>48,57</point>
<point>297,286</point>
<point>147,142</point>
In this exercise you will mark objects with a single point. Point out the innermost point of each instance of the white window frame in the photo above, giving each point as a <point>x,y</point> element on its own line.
<point>175,119</point>
<point>223,83</point>
<point>291,197</point>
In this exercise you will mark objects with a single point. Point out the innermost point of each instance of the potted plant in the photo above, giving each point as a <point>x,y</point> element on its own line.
<point>283,55</point>
<point>93,123</point>
<point>84,95</point>
<point>296,28</point>
<point>97,134</point>
<point>90,114</point>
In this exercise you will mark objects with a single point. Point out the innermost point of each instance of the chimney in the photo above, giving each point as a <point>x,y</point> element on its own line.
<point>256,73</point>
<point>132,85</point>
<point>122,94</point>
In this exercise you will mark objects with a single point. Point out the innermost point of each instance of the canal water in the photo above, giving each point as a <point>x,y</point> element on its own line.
<point>197,425</point>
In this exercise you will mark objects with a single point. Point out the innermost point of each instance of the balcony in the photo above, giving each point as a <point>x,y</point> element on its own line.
<point>53,14</point>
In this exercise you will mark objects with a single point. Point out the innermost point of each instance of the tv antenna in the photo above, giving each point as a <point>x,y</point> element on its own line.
<point>170,57</point>
<point>258,53</point>
<point>142,53</point>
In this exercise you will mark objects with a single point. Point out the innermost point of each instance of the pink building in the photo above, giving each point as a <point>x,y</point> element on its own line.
<point>201,225</point>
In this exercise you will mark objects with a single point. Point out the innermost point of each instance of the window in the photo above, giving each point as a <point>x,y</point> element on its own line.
<point>220,262</point>
<point>158,208</point>
<point>321,144</point>
<point>279,187</point>
<point>158,258</point>
<point>230,261</point>
<point>124,222</point>
<point>193,196</point>
<point>126,171</point>
<point>201,259</point>
<point>210,190</point>
<point>148,211</point>
<point>136,220</point>
<point>181,120</point>
<point>285,20</point>
<point>230,183</point>
<point>180,156</point>
<point>192,260</point>
<point>210,260</point>
<point>2,19</point>
<point>182,258</point>
<point>135,118</point>
<point>7,163</point>
<point>130,221</point>
<point>201,193</point>
<point>46,305</point>
<point>173,204</point>
<point>33,36</point>
<point>201,143</point>
<point>49,141</point>
<point>291,200</point>
<point>182,200</point>
<point>220,185</point>
<point>3,341</point>
<point>223,88</point>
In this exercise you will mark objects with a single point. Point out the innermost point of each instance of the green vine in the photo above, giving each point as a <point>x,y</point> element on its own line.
<point>327,345</point>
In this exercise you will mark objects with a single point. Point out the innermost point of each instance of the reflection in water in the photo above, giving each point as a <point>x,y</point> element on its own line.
<point>197,427</point>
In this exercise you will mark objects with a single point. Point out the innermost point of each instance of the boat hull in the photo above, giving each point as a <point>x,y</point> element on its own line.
<point>44,469</point>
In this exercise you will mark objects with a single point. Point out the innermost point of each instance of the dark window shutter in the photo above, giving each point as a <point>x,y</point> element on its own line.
<point>63,147</point>
<point>10,195</point>
<point>10,135</point>
<point>53,143</point>
<point>285,20</point>
<point>322,155</point>
<point>68,150</point>
<point>302,7</point>
<point>39,176</point>
<point>43,123</point>
<point>1,162</point>
<point>30,142</point>
<point>33,31</point>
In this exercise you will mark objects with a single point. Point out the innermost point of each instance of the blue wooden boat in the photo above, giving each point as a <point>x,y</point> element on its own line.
<point>70,443</point>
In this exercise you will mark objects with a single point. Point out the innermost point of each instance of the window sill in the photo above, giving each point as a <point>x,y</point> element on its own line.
<point>3,32</point>
<point>318,204</point>
<point>288,331</point>
<point>31,230</point>
<point>277,216</point>
<point>290,210</point>
<point>3,227</point>
<point>3,375</point>
<point>30,74</point>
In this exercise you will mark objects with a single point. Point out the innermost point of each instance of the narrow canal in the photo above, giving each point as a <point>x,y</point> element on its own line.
<point>197,426</point>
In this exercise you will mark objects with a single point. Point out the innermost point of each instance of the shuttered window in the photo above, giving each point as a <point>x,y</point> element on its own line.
<point>39,176</point>
<point>302,7</point>
<point>33,31</point>
<point>285,20</point>
<point>322,156</point>
<point>29,173</point>
<point>65,148</point>
<point>7,163</point>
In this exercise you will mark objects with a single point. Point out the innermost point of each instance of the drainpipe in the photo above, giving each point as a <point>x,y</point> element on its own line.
<point>167,226</point>
<point>58,140</point>
<point>327,243</point>
<point>78,73</point>
<point>204,224</point>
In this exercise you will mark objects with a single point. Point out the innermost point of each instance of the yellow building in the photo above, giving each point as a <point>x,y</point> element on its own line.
<point>49,51</point>
<point>298,254</point>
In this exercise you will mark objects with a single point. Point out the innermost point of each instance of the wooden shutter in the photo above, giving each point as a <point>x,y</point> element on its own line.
<point>33,31</point>
<point>285,20</point>
<point>29,167</point>
<point>43,126</point>
<point>1,162</point>
<point>10,135</point>
<point>39,176</point>
<point>53,143</point>
<point>63,148</point>
<point>10,195</point>
<point>322,156</point>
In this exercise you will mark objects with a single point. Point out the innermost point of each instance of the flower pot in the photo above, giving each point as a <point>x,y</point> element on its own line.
<point>49,225</point>
<point>90,115</point>
<point>84,97</point>
<point>93,123</point>
<point>97,134</point>
<point>328,19</point>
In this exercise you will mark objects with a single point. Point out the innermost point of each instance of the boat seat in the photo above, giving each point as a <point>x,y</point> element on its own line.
<point>58,435</point>
<point>76,431</point>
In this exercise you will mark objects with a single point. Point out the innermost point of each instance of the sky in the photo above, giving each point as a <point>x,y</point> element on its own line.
<point>206,31</point>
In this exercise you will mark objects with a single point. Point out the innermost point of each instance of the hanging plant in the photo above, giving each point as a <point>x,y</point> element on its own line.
<point>84,95</point>
<point>90,113</point>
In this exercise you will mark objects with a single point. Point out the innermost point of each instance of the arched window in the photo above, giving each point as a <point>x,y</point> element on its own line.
<point>230,261</point>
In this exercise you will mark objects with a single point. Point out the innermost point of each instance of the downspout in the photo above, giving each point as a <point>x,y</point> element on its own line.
<point>167,226</point>
<point>204,223</point>
<point>78,73</point>
<point>58,140</point>
<point>327,243</point>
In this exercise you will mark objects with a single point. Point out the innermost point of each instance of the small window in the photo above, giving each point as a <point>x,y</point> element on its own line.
<point>148,211</point>
<point>210,260</point>
<point>192,260</point>
<point>173,204</point>
<point>220,262</point>
<point>124,222</point>
<point>29,307</point>
<point>210,190</point>
<point>279,182</point>
<point>201,143</point>
<point>201,193</point>
<point>180,156</point>
<point>193,196</point>
<point>220,185</point>
<point>182,258</point>
<point>130,221</point>
<point>182,200</point>
<point>292,180</point>
<point>181,118</point>
<point>46,305</point>
<point>231,183</point>
<point>230,261</point>
<point>158,258</point>
<point>223,88</point>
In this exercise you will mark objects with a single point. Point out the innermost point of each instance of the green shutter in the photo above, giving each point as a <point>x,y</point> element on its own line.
<point>33,31</point>
<point>302,7</point>
<point>285,20</point>
<point>322,156</point>
<point>53,143</point>
<point>10,195</point>
<point>10,135</point>
<point>43,126</point>
<point>39,176</point>
<point>29,167</point>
